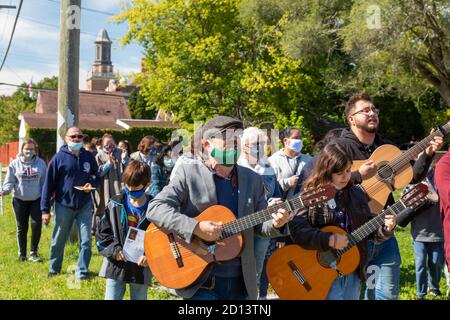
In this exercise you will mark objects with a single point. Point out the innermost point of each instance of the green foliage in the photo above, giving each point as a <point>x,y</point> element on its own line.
<point>138,107</point>
<point>20,101</point>
<point>47,145</point>
<point>262,60</point>
<point>396,118</point>
<point>205,58</point>
<point>10,108</point>
<point>407,51</point>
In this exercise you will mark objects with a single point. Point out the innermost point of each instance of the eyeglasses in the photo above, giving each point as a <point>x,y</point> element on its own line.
<point>366,111</point>
<point>76,136</point>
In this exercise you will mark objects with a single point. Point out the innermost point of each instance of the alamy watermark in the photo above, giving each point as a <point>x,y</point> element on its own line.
<point>373,17</point>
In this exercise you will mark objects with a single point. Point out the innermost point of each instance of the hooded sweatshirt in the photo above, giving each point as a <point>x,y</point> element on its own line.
<point>65,172</point>
<point>26,178</point>
<point>359,151</point>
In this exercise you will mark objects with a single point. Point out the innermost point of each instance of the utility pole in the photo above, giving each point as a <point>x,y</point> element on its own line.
<point>69,65</point>
<point>68,83</point>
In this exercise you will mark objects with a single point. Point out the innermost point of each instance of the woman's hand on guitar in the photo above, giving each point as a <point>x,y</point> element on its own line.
<point>208,230</point>
<point>338,241</point>
<point>435,145</point>
<point>368,170</point>
<point>280,218</point>
<point>390,221</point>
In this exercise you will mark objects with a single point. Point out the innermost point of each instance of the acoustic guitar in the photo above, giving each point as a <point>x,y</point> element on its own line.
<point>394,170</point>
<point>177,264</point>
<point>299,274</point>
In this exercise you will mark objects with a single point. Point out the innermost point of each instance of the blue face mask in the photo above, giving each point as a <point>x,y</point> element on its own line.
<point>134,194</point>
<point>169,163</point>
<point>75,146</point>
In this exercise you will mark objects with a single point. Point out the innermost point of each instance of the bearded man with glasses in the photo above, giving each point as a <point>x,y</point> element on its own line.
<point>360,141</point>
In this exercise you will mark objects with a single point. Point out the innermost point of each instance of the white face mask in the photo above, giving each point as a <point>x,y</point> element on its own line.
<point>296,145</point>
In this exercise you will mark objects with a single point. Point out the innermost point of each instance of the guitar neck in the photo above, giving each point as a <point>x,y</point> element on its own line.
<point>236,226</point>
<point>411,153</point>
<point>371,226</point>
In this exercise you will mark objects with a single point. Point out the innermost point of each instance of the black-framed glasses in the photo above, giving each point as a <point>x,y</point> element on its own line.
<point>76,136</point>
<point>366,111</point>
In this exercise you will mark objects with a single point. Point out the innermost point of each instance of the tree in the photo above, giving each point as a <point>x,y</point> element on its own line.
<point>138,107</point>
<point>401,45</point>
<point>203,59</point>
<point>344,44</point>
<point>20,101</point>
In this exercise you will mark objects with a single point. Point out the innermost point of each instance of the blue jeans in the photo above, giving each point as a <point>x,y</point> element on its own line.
<point>115,290</point>
<point>219,288</point>
<point>345,288</point>
<point>264,281</point>
<point>261,244</point>
<point>385,257</point>
<point>434,252</point>
<point>64,219</point>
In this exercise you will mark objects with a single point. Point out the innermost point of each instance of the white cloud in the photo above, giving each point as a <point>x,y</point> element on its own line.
<point>28,30</point>
<point>17,76</point>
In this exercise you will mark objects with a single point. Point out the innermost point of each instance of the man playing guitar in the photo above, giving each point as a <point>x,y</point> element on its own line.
<point>360,141</point>
<point>217,180</point>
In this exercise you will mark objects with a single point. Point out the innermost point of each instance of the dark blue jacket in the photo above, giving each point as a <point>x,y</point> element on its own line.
<point>66,171</point>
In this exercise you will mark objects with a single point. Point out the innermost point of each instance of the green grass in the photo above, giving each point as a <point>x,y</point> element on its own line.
<point>407,272</point>
<point>26,280</point>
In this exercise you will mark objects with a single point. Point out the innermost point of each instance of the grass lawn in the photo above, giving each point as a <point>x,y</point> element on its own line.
<point>27,280</point>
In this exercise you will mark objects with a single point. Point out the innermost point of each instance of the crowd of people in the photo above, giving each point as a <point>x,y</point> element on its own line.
<point>104,189</point>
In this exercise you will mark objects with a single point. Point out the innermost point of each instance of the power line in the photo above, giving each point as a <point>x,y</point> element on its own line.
<point>49,89</point>
<point>19,77</point>
<point>12,35</point>
<point>52,25</point>
<point>91,10</point>
<point>15,55</point>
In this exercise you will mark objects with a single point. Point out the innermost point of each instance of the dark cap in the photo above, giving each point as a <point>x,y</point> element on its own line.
<point>220,123</point>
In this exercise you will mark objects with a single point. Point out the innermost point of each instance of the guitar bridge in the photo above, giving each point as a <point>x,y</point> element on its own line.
<point>299,276</point>
<point>175,250</point>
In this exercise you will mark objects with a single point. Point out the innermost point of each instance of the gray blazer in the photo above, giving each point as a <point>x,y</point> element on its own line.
<point>191,192</point>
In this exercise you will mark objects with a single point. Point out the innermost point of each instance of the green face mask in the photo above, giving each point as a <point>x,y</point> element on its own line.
<point>227,158</point>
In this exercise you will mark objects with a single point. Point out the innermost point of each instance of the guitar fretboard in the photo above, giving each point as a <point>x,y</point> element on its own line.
<point>371,226</point>
<point>236,226</point>
<point>412,153</point>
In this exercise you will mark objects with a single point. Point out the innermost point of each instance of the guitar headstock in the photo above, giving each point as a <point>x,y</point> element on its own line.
<point>415,196</point>
<point>319,195</point>
<point>445,128</point>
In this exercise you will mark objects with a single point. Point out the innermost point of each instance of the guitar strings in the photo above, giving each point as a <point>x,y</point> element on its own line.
<point>401,161</point>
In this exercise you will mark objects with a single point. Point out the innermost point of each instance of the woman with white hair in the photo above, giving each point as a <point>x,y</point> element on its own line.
<point>253,157</point>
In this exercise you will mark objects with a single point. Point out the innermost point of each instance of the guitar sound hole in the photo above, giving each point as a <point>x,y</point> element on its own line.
<point>385,172</point>
<point>327,258</point>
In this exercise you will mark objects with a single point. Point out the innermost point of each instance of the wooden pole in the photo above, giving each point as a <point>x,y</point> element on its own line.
<point>68,82</point>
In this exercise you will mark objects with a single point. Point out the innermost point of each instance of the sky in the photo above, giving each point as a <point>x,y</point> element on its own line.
<point>34,51</point>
